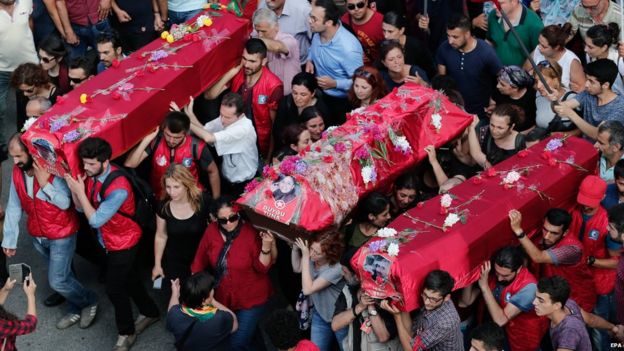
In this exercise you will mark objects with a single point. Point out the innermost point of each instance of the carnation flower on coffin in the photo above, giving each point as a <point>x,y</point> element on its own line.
<point>511,178</point>
<point>436,122</point>
<point>369,174</point>
<point>386,233</point>
<point>451,220</point>
<point>29,122</point>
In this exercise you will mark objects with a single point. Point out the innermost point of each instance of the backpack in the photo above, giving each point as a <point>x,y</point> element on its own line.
<point>144,198</point>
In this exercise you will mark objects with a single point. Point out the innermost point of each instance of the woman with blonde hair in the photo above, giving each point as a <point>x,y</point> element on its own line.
<point>181,220</point>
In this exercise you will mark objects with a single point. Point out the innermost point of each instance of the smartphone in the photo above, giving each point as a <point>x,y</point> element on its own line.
<point>158,283</point>
<point>19,272</point>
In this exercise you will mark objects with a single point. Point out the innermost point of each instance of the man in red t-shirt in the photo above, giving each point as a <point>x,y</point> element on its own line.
<point>366,25</point>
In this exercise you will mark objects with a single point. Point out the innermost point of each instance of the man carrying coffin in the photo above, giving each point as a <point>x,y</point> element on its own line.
<point>508,296</point>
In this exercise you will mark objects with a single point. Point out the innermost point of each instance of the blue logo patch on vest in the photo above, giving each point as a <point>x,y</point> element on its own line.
<point>262,99</point>
<point>507,296</point>
<point>187,162</point>
<point>593,234</point>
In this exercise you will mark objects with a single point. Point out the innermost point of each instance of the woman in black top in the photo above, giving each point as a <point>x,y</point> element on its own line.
<point>296,138</point>
<point>52,54</point>
<point>304,94</point>
<point>515,86</point>
<point>30,81</point>
<point>396,71</point>
<point>498,141</point>
<point>416,53</point>
<point>180,224</point>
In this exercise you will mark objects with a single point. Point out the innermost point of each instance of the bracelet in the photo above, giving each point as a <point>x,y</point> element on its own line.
<point>521,235</point>
<point>265,252</point>
<point>591,260</point>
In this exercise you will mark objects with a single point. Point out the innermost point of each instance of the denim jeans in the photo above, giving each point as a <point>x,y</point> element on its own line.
<point>322,334</point>
<point>605,308</point>
<point>248,320</point>
<point>176,17</point>
<point>88,36</point>
<point>60,253</point>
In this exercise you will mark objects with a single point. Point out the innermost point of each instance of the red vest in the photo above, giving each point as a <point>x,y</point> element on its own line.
<point>526,330</point>
<point>594,244</point>
<point>120,232</point>
<point>261,92</point>
<point>44,219</point>
<point>578,275</point>
<point>183,155</point>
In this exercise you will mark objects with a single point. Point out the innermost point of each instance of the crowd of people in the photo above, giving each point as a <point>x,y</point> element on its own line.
<point>557,69</point>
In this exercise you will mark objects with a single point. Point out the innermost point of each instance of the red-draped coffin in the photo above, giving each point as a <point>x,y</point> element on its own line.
<point>548,179</point>
<point>315,190</point>
<point>126,114</point>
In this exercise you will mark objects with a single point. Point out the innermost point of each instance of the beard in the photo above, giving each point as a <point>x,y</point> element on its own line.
<point>7,2</point>
<point>29,164</point>
<point>95,174</point>
<point>504,282</point>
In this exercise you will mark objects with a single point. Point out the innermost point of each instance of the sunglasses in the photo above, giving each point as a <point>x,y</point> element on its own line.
<point>47,59</point>
<point>362,73</point>
<point>76,80</point>
<point>231,219</point>
<point>359,5</point>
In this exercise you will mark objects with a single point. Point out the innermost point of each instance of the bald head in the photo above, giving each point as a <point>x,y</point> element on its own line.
<point>37,106</point>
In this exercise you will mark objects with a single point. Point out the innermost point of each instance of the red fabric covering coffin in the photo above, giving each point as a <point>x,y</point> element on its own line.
<point>462,248</point>
<point>326,182</point>
<point>123,118</point>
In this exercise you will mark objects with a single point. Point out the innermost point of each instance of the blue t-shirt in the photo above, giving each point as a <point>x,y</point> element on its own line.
<point>523,299</point>
<point>594,114</point>
<point>611,198</point>
<point>474,72</point>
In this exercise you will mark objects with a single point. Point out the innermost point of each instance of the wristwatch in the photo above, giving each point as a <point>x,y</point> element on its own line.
<point>521,235</point>
<point>372,311</point>
<point>591,260</point>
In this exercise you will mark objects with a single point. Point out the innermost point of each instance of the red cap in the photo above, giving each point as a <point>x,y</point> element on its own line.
<point>591,191</point>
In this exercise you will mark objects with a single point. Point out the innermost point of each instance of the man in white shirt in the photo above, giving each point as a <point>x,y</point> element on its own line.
<point>234,137</point>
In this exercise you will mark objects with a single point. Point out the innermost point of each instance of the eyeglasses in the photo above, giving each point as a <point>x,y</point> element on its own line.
<point>76,80</point>
<point>547,64</point>
<point>432,299</point>
<point>231,219</point>
<point>359,5</point>
<point>47,59</point>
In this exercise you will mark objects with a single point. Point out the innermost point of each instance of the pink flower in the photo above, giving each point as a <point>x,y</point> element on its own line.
<point>287,166</point>
<point>268,193</point>
<point>477,180</point>
<point>251,185</point>
<point>523,153</point>
<point>340,147</point>
<point>361,153</point>
<point>115,95</point>
<point>115,63</point>
<point>490,172</point>
<point>328,159</point>
<point>420,204</point>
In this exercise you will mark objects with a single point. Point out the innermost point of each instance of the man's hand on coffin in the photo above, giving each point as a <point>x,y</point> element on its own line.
<point>390,308</point>
<point>41,174</point>
<point>515,219</point>
<point>76,185</point>
<point>485,275</point>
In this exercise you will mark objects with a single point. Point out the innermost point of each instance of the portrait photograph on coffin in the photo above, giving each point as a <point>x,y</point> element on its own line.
<point>316,190</point>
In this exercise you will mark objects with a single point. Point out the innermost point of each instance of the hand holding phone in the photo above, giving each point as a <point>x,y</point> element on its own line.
<point>158,283</point>
<point>19,272</point>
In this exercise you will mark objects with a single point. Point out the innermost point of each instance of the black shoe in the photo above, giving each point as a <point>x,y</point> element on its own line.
<point>54,300</point>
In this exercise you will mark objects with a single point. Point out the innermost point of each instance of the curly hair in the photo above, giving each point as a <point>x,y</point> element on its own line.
<point>331,245</point>
<point>29,74</point>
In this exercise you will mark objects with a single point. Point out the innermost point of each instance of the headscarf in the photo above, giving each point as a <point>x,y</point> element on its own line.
<point>516,76</point>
